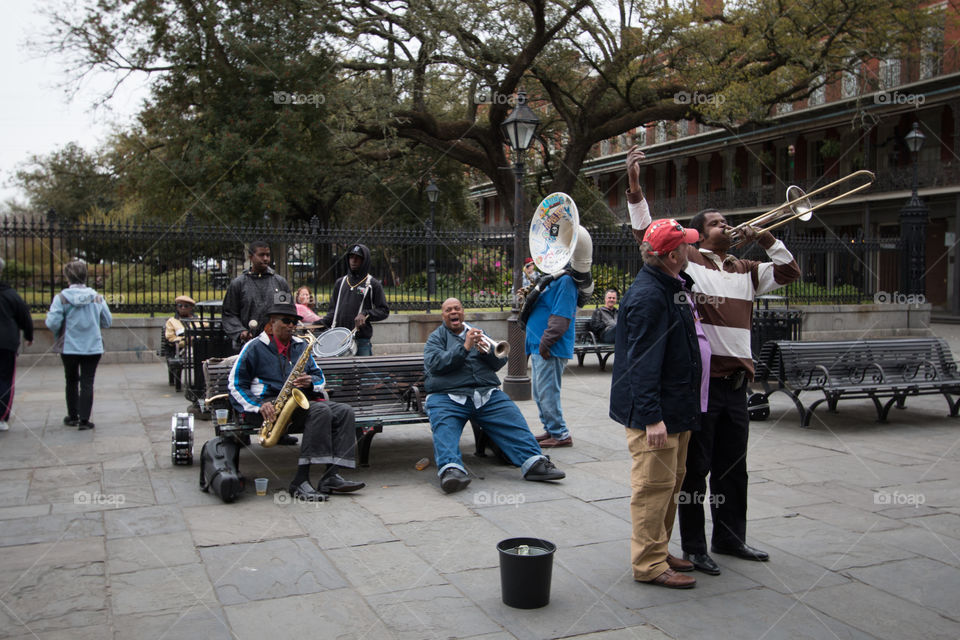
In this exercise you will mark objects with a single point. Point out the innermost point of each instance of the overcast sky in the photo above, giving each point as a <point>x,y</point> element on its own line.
<point>36,114</point>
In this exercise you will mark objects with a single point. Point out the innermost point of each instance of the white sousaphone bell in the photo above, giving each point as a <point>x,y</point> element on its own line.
<point>558,245</point>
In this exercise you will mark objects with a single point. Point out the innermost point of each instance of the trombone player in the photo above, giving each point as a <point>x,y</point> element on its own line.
<point>724,290</point>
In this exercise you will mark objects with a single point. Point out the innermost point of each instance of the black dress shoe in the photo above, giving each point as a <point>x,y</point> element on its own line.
<point>336,484</point>
<point>543,470</point>
<point>304,491</point>
<point>287,439</point>
<point>703,562</point>
<point>743,551</point>
<point>83,425</point>
<point>71,422</point>
<point>453,480</point>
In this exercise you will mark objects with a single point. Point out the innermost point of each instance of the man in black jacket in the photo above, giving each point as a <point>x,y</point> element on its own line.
<point>655,394</point>
<point>14,318</point>
<point>250,295</point>
<point>462,384</point>
<point>603,322</point>
<point>357,299</point>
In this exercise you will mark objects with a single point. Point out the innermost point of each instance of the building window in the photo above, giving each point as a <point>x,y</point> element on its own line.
<point>819,95</point>
<point>850,82</point>
<point>889,73</point>
<point>784,107</point>
<point>931,52</point>
<point>661,133</point>
<point>640,139</point>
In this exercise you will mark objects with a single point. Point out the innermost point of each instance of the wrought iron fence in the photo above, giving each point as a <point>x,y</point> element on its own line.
<point>141,268</point>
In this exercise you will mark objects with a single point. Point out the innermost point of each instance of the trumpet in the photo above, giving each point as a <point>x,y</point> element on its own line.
<point>798,206</point>
<point>500,349</point>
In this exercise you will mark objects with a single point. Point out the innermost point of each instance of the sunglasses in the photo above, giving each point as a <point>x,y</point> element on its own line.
<point>288,320</point>
<point>184,304</point>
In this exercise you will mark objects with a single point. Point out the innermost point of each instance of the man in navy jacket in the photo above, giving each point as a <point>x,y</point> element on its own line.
<point>655,394</point>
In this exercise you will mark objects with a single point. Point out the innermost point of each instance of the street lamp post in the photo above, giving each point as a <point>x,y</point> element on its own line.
<point>914,217</point>
<point>518,128</point>
<point>433,192</point>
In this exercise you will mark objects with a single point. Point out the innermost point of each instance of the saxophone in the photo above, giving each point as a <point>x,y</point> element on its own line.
<point>289,399</point>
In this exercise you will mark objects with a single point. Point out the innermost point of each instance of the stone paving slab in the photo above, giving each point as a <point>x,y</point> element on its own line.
<point>756,613</point>
<point>860,519</point>
<point>270,569</point>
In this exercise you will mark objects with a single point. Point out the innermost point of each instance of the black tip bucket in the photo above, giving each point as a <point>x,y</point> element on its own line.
<point>526,566</point>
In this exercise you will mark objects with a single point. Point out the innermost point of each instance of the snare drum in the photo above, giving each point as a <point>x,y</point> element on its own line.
<point>335,342</point>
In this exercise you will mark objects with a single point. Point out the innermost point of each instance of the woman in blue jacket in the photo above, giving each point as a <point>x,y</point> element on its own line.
<point>75,318</point>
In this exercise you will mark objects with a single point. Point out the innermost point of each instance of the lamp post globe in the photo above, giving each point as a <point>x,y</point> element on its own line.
<point>519,129</point>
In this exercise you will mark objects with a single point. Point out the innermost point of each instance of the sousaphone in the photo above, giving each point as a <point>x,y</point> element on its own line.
<point>559,246</point>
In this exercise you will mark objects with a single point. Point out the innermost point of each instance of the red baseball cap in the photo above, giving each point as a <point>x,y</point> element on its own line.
<point>527,261</point>
<point>666,235</point>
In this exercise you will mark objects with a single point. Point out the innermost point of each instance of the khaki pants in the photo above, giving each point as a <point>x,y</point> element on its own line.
<point>655,479</point>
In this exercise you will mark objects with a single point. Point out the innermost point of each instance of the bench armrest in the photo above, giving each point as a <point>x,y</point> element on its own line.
<point>817,377</point>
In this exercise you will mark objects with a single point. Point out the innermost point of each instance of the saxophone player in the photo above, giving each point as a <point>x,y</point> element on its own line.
<point>257,377</point>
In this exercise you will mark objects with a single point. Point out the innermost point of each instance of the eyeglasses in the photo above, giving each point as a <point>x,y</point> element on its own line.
<point>184,304</point>
<point>288,320</point>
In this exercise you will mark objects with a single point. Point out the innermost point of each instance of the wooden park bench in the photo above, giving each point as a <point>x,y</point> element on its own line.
<point>383,390</point>
<point>585,342</point>
<point>884,371</point>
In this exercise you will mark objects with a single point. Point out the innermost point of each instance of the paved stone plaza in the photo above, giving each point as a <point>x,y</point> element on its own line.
<point>103,538</point>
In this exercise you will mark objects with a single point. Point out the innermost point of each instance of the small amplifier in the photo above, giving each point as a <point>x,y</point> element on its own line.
<point>181,438</point>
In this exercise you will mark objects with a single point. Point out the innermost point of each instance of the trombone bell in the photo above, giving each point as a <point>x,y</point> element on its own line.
<point>798,206</point>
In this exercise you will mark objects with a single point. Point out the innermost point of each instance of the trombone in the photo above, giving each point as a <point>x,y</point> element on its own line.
<point>798,205</point>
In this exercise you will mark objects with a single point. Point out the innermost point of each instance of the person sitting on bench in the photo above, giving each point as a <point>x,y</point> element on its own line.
<point>603,322</point>
<point>255,381</point>
<point>462,384</point>
<point>174,331</point>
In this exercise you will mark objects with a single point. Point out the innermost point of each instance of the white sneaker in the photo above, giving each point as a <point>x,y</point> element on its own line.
<point>4,426</point>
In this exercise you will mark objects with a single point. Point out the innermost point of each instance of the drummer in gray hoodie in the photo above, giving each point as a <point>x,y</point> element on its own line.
<point>357,299</point>
<point>75,318</point>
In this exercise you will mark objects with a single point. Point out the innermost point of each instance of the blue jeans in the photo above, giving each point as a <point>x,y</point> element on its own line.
<point>545,384</point>
<point>499,418</point>
<point>363,347</point>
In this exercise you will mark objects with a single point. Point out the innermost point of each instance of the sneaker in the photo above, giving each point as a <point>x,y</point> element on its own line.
<point>453,480</point>
<point>543,470</point>
<point>4,426</point>
<point>71,422</point>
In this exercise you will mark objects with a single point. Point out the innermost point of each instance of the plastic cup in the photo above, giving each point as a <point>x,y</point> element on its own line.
<point>261,486</point>
<point>222,416</point>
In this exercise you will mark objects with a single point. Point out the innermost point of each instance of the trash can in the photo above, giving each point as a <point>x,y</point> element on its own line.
<point>526,566</point>
<point>774,324</point>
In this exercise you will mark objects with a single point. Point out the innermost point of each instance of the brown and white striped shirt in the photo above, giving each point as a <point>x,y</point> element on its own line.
<point>724,292</point>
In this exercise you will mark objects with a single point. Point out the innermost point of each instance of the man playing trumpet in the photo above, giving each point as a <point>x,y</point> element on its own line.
<point>724,290</point>
<point>462,384</point>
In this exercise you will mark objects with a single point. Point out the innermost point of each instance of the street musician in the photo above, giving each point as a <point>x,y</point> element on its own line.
<point>263,369</point>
